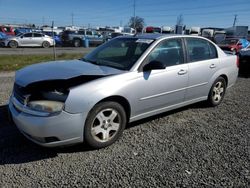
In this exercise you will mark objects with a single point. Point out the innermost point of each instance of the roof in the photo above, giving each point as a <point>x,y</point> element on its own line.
<point>152,36</point>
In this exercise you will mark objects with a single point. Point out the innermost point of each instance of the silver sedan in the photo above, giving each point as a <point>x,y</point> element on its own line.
<point>29,39</point>
<point>126,79</point>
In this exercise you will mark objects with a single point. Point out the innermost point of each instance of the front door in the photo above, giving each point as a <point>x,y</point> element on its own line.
<point>159,89</point>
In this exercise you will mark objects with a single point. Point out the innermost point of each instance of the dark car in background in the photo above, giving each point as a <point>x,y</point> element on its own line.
<point>244,59</point>
<point>76,38</point>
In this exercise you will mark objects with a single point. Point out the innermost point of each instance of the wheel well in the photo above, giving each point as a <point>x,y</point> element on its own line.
<point>225,77</point>
<point>12,41</point>
<point>122,101</point>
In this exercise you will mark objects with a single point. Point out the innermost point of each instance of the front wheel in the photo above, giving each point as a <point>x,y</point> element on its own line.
<point>217,92</point>
<point>104,124</point>
<point>13,44</point>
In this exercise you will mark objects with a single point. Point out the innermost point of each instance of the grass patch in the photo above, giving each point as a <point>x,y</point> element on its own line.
<point>15,62</point>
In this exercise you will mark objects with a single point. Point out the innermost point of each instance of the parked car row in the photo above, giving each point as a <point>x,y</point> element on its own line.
<point>45,39</point>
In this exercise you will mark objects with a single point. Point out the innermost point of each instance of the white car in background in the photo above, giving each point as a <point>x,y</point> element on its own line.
<point>29,40</point>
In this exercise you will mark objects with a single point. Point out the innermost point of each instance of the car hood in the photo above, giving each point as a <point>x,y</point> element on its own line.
<point>61,70</point>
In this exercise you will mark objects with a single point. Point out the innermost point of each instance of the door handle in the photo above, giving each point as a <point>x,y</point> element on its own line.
<point>212,66</point>
<point>181,72</point>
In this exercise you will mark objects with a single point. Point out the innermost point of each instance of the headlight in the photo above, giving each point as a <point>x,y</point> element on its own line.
<point>46,106</point>
<point>232,49</point>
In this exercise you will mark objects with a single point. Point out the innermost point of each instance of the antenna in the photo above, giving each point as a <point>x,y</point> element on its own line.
<point>134,13</point>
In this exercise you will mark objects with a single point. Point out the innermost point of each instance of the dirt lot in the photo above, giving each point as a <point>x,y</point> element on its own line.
<point>195,146</point>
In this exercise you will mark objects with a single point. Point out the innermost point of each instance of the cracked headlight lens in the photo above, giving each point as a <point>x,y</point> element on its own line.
<point>46,106</point>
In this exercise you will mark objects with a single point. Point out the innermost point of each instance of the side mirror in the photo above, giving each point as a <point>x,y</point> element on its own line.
<point>154,65</point>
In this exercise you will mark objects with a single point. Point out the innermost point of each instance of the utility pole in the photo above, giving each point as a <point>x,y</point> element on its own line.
<point>72,19</point>
<point>235,20</point>
<point>54,44</point>
<point>134,14</point>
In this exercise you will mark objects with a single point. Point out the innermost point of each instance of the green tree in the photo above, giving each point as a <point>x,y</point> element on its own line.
<point>137,23</point>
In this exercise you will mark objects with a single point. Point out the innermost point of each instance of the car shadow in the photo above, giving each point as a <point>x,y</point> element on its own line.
<point>16,149</point>
<point>199,105</point>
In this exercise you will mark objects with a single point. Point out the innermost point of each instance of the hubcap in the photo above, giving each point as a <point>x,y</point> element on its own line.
<point>218,91</point>
<point>105,125</point>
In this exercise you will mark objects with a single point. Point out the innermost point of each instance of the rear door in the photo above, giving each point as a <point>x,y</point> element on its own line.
<point>202,63</point>
<point>37,39</point>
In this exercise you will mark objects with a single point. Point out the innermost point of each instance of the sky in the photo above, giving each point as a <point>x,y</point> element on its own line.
<point>92,13</point>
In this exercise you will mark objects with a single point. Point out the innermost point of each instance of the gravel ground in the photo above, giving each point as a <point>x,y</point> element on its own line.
<point>195,146</point>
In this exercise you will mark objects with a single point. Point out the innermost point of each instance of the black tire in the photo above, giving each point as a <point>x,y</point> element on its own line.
<point>46,44</point>
<point>104,124</point>
<point>13,44</point>
<point>77,42</point>
<point>217,92</point>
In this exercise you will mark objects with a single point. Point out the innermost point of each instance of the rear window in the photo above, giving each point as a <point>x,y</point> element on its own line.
<point>200,49</point>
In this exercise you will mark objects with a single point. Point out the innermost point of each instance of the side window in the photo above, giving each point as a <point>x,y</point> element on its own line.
<point>169,52</point>
<point>88,33</point>
<point>27,35</point>
<point>199,50</point>
<point>37,35</point>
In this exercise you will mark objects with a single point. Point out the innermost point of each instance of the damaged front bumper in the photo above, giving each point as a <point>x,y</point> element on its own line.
<point>56,130</point>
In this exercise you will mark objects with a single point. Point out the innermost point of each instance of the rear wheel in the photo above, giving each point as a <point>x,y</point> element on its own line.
<point>217,92</point>
<point>77,43</point>
<point>46,44</point>
<point>13,44</point>
<point>105,124</point>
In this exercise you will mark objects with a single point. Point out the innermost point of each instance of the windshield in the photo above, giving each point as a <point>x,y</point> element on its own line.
<point>230,41</point>
<point>19,34</point>
<point>119,53</point>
